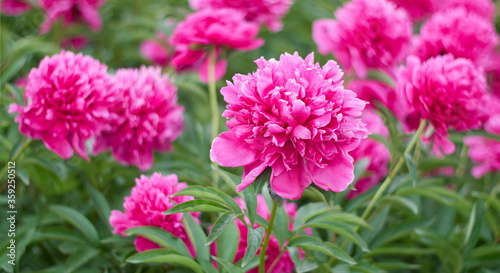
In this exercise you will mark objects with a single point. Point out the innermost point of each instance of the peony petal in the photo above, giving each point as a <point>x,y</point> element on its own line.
<point>336,176</point>
<point>228,151</point>
<point>292,183</point>
<point>250,174</point>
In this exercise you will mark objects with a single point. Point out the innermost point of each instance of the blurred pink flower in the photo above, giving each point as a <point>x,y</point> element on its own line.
<point>222,28</point>
<point>448,92</point>
<point>149,117</point>
<point>376,152</point>
<point>155,50</point>
<point>71,11</point>
<point>417,9</point>
<point>76,43</point>
<point>268,12</point>
<point>67,101</point>
<point>366,34</point>
<point>149,198</point>
<point>462,34</point>
<point>285,263</point>
<point>484,150</point>
<point>483,8</point>
<point>15,7</point>
<point>293,116</point>
<point>492,69</point>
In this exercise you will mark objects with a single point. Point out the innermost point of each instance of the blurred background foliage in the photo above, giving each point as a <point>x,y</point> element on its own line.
<point>430,224</point>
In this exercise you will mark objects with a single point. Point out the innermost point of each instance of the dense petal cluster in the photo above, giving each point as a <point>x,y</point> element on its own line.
<point>366,34</point>
<point>293,116</point>
<point>483,8</point>
<point>457,32</point>
<point>216,27</point>
<point>15,7</point>
<point>285,263</point>
<point>148,117</point>
<point>67,103</point>
<point>376,152</point>
<point>150,197</point>
<point>485,151</point>
<point>268,12</point>
<point>417,9</point>
<point>448,92</point>
<point>71,11</point>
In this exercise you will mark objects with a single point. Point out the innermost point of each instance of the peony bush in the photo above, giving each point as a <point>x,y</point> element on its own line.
<point>250,136</point>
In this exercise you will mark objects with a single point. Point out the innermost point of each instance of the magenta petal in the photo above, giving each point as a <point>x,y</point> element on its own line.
<point>143,244</point>
<point>251,172</point>
<point>119,221</point>
<point>60,146</point>
<point>336,176</point>
<point>229,152</point>
<point>292,183</point>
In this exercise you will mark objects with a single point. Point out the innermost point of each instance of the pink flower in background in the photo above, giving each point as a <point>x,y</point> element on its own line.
<point>71,11</point>
<point>15,7</point>
<point>417,9</point>
<point>366,34</point>
<point>492,69</point>
<point>285,263</point>
<point>67,101</point>
<point>149,117</point>
<point>293,116</point>
<point>268,12</point>
<point>483,8</point>
<point>448,92</point>
<point>76,43</point>
<point>376,152</point>
<point>485,151</point>
<point>155,50</point>
<point>222,28</point>
<point>457,32</point>
<point>149,198</point>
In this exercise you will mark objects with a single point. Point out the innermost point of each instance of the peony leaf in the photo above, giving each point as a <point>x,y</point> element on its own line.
<point>210,194</point>
<point>79,258</point>
<point>197,205</point>
<point>77,220</point>
<point>262,180</point>
<point>230,267</point>
<point>254,239</point>
<point>220,225</point>
<point>411,168</point>
<point>162,237</point>
<point>315,244</point>
<point>399,202</point>
<point>164,256</point>
<point>341,229</point>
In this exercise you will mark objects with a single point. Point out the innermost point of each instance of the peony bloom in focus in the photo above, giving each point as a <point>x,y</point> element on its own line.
<point>67,101</point>
<point>485,151</point>
<point>268,12</point>
<point>446,91</point>
<point>148,117</point>
<point>222,28</point>
<point>376,152</point>
<point>293,116</point>
<point>483,8</point>
<point>71,11</point>
<point>15,7</point>
<point>462,34</point>
<point>285,263</point>
<point>145,206</point>
<point>417,9</point>
<point>366,34</point>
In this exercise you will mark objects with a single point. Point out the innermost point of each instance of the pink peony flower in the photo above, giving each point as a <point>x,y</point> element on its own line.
<point>149,117</point>
<point>483,8</point>
<point>15,7</point>
<point>155,50</point>
<point>285,263</point>
<point>71,11</point>
<point>293,116</point>
<point>222,28</point>
<point>448,92</point>
<point>366,34</point>
<point>485,151</point>
<point>457,32</point>
<point>492,69</point>
<point>145,206</point>
<point>417,9</point>
<point>376,152</point>
<point>268,12</point>
<point>67,102</point>
<point>77,43</point>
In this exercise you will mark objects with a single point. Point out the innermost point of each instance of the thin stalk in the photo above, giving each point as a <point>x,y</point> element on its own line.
<point>266,239</point>
<point>214,107</point>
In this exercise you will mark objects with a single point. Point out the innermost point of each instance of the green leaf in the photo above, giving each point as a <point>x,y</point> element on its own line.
<point>399,202</point>
<point>12,71</point>
<point>315,244</point>
<point>476,219</point>
<point>230,179</point>
<point>308,264</point>
<point>399,229</point>
<point>381,76</point>
<point>100,203</point>
<point>58,233</point>
<point>401,251</point>
<point>226,244</point>
<point>411,168</point>
<point>344,217</point>
<point>164,256</point>
<point>262,180</point>
<point>197,205</point>
<point>23,175</point>
<point>17,93</point>
<point>254,239</point>
<point>79,258</point>
<point>198,238</point>
<point>210,194</point>
<point>161,237</point>
<point>251,203</point>
<point>359,168</point>
<point>77,220</point>
<point>441,195</point>
<point>281,227</point>
<point>304,211</point>
<point>324,196</point>
<point>230,267</point>
<point>342,229</point>
<point>220,225</point>
<point>392,266</point>
<point>276,198</point>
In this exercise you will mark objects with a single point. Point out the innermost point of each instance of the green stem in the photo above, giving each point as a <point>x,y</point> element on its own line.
<point>214,107</point>
<point>463,161</point>
<point>266,239</point>
<point>14,158</point>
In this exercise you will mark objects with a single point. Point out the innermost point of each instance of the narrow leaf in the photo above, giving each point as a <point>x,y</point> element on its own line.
<point>254,239</point>
<point>161,237</point>
<point>197,205</point>
<point>220,225</point>
<point>164,256</point>
<point>78,221</point>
